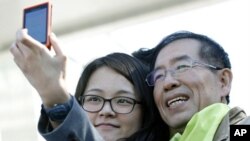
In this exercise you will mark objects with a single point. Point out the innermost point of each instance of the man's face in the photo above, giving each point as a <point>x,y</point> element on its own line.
<point>179,98</point>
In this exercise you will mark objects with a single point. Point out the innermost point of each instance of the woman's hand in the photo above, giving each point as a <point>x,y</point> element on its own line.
<point>45,72</point>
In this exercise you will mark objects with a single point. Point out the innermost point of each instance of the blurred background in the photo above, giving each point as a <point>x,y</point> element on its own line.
<point>92,28</point>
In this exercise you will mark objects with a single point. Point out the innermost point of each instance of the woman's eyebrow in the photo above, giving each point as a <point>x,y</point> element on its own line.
<point>117,93</point>
<point>125,92</point>
<point>93,90</point>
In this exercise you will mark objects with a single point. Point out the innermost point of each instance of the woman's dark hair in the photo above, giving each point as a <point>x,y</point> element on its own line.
<point>210,52</point>
<point>135,72</point>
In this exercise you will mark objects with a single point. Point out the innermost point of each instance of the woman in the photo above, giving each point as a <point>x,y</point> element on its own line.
<point>117,77</point>
<point>111,89</point>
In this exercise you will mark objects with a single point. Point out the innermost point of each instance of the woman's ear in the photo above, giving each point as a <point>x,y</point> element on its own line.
<point>225,76</point>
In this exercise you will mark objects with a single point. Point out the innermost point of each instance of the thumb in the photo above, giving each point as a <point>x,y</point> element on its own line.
<point>55,44</point>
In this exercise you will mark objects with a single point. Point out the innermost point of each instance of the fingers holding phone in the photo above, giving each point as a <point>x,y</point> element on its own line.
<point>46,73</point>
<point>55,44</point>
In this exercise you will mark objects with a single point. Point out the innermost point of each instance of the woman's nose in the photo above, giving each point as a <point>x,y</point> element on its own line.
<point>107,110</point>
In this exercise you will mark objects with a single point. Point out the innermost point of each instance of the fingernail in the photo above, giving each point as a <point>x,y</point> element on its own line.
<point>25,30</point>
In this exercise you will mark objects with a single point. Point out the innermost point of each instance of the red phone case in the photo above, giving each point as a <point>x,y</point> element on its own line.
<point>49,21</point>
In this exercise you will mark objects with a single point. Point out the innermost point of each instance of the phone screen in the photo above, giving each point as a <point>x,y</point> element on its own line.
<point>36,21</point>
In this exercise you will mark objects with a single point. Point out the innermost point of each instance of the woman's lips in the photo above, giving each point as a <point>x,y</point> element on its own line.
<point>106,126</point>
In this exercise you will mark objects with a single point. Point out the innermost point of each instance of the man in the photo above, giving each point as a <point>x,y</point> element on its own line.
<point>192,81</point>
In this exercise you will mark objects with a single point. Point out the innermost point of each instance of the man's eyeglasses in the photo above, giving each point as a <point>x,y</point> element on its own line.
<point>121,104</point>
<point>160,74</point>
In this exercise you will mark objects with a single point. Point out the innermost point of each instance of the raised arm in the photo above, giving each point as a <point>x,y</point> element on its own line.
<point>46,73</point>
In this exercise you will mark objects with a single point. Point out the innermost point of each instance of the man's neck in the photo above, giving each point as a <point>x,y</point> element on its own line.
<point>174,131</point>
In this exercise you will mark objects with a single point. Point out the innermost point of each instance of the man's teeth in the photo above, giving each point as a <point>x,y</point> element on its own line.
<point>177,100</point>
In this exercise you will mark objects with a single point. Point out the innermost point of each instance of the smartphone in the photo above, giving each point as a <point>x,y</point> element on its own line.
<point>37,19</point>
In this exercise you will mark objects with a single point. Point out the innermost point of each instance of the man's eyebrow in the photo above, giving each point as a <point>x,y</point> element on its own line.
<point>180,58</point>
<point>175,59</point>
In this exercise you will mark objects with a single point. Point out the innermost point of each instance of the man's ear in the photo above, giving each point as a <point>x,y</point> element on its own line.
<point>226,77</point>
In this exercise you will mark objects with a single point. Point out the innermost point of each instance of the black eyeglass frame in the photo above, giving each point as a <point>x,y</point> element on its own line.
<point>81,99</point>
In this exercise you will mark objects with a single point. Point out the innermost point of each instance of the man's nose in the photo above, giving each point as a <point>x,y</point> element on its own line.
<point>170,82</point>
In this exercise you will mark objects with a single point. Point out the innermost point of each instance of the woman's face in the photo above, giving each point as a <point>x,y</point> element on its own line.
<point>107,83</point>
